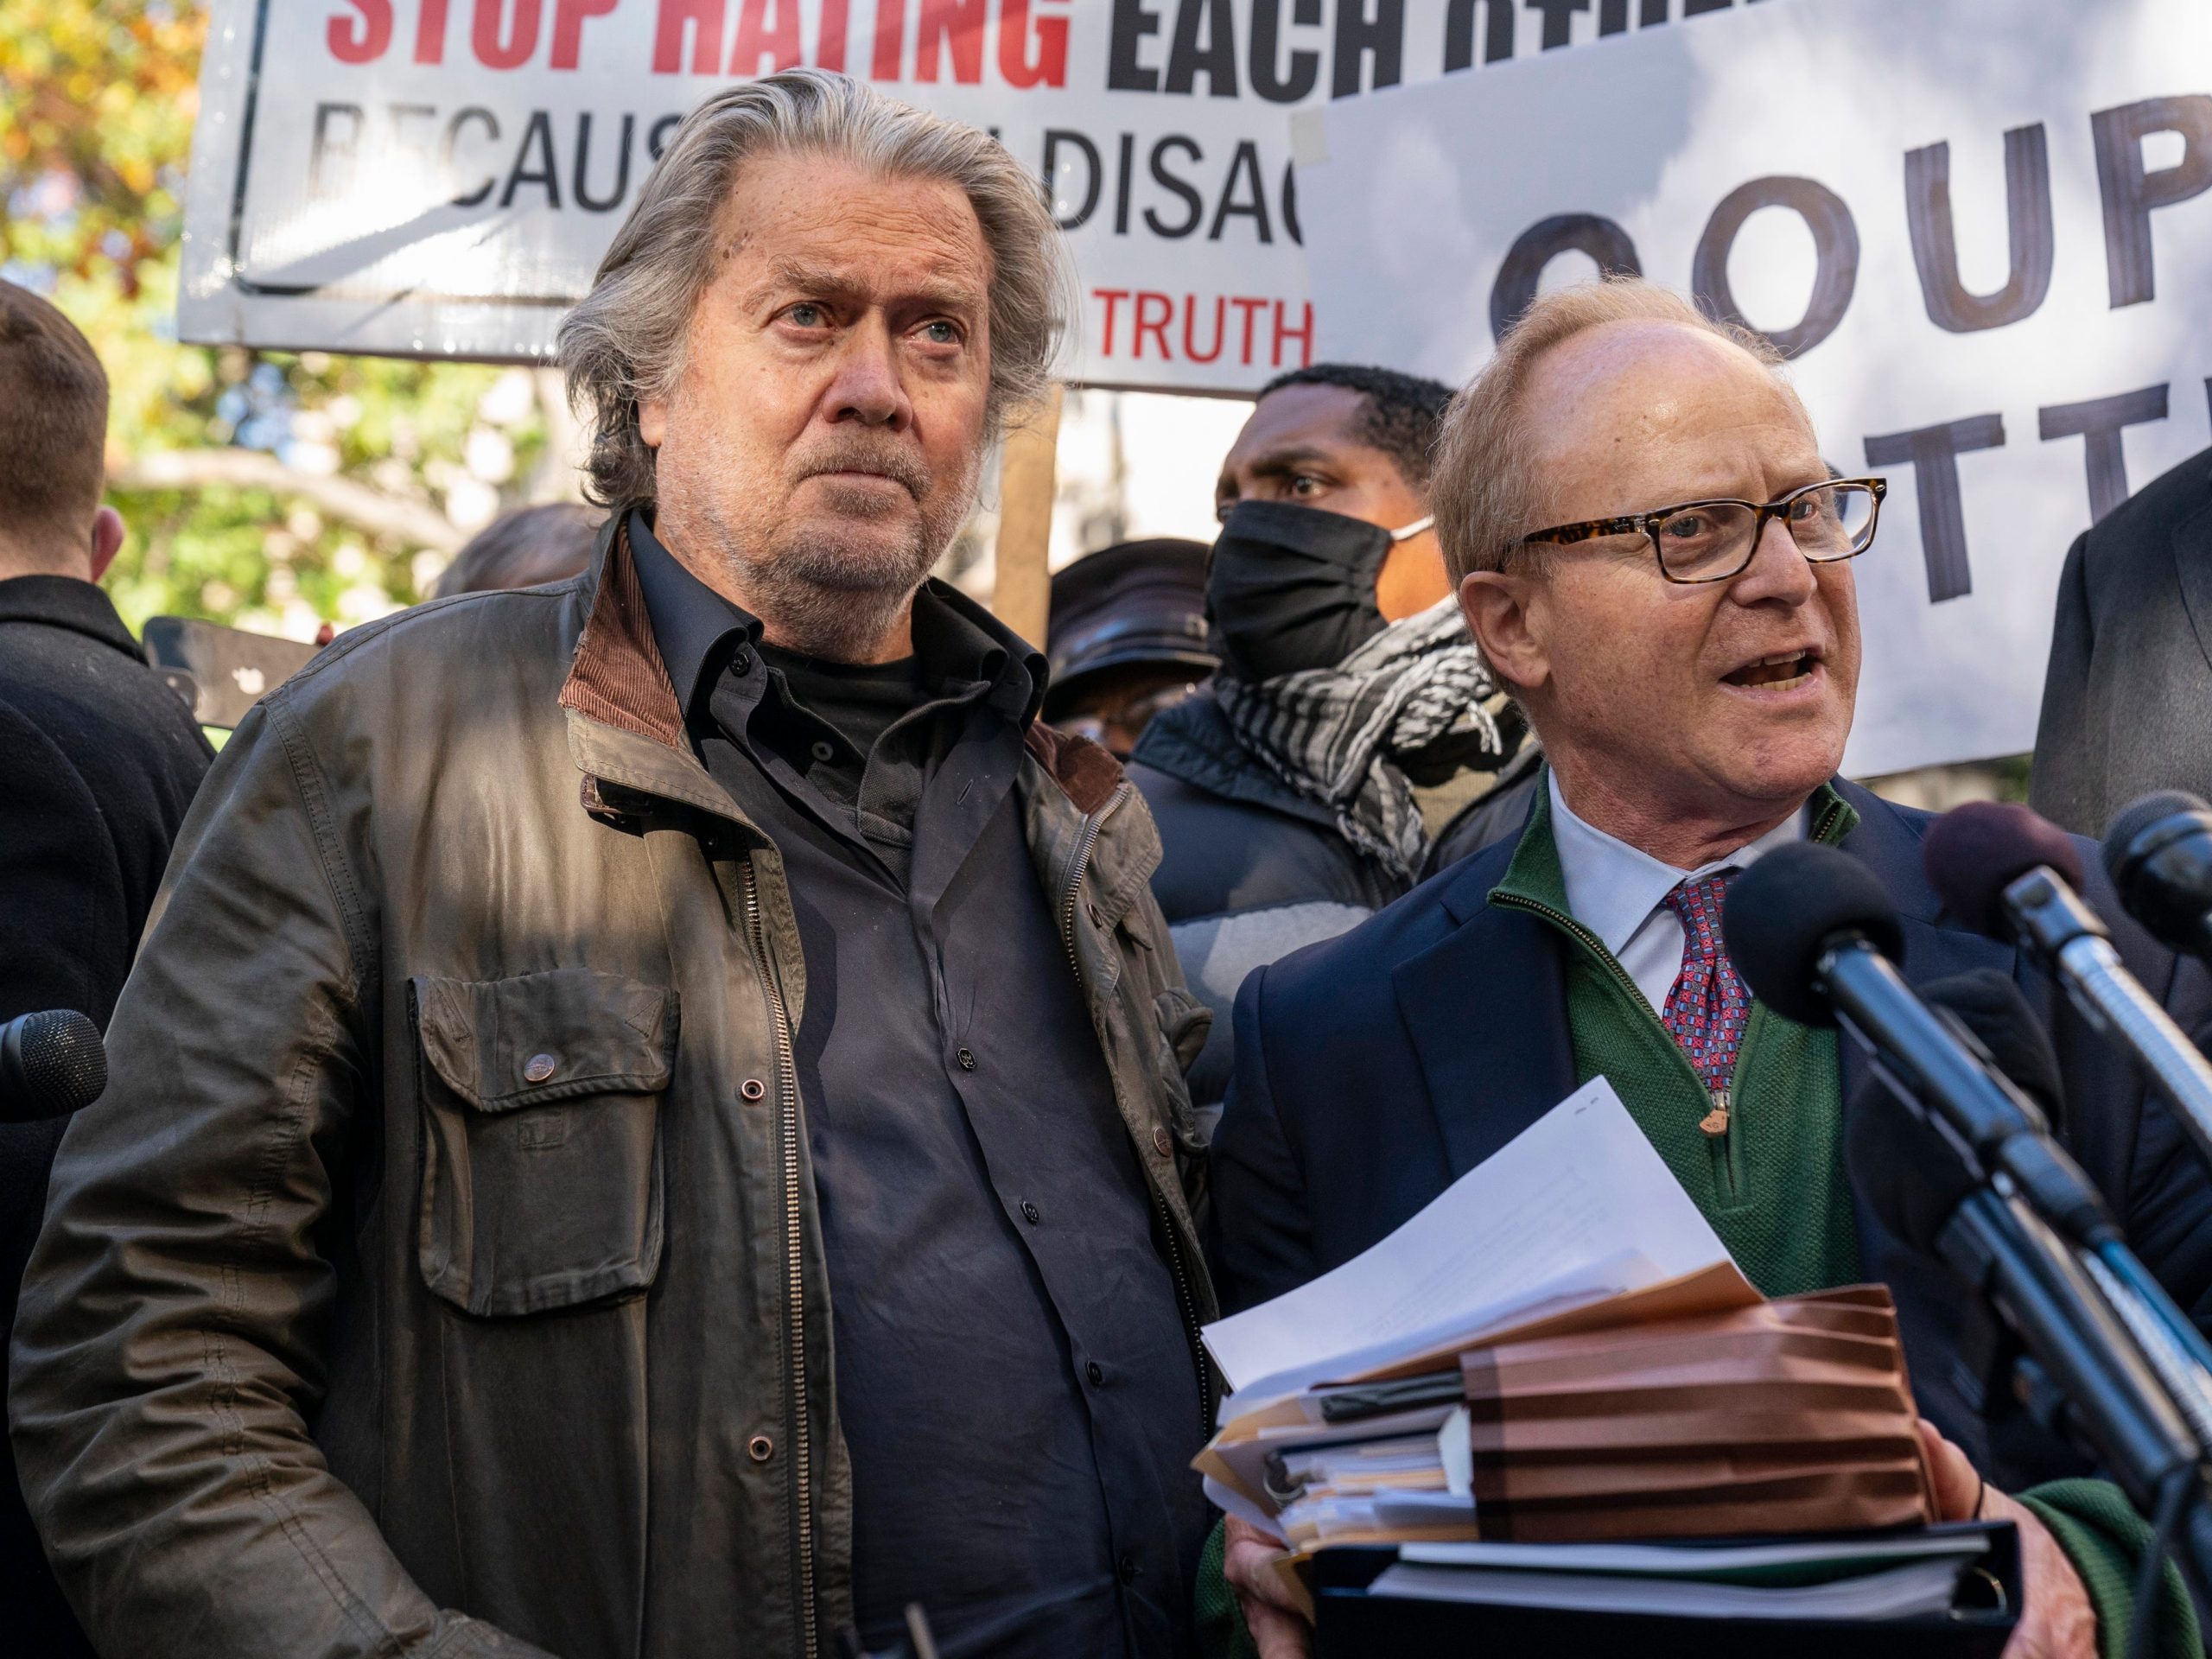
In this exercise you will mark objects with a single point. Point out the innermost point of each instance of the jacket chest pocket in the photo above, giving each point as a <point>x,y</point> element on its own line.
<point>541,1165</point>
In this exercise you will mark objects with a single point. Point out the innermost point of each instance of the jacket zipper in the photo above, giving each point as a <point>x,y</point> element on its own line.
<point>1720,1142</point>
<point>795,1279</point>
<point>1085,842</point>
<point>1189,1307</point>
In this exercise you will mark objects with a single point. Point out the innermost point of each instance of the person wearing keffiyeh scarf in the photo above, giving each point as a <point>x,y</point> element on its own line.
<point>1352,737</point>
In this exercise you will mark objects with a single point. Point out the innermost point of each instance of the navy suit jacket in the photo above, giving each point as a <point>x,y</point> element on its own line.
<point>1374,1069</point>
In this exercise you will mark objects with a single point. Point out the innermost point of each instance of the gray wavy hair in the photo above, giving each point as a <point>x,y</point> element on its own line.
<point>624,341</point>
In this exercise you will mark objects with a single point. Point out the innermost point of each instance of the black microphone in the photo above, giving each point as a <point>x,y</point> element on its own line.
<point>1813,932</point>
<point>2085,1385</point>
<point>1973,853</point>
<point>1805,927</point>
<point>2007,872</point>
<point>51,1063</point>
<point>2158,853</point>
<point>1913,1177</point>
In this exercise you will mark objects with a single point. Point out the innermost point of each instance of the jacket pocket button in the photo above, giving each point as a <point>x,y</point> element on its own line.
<point>759,1448</point>
<point>538,1068</point>
<point>1161,1143</point>
<point>752,1088</point>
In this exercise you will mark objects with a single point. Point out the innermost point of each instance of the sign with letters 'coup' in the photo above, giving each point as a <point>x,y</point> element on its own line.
<point>440,176</point>
<point>1983,232</point>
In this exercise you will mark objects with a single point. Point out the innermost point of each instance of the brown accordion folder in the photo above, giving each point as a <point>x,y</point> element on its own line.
<point>1788,1416</point>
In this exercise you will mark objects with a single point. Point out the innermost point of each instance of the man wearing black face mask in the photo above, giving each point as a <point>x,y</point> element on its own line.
<point>1350,722</point>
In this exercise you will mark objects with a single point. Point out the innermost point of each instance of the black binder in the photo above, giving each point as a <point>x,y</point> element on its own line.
<point>1350,1624</point>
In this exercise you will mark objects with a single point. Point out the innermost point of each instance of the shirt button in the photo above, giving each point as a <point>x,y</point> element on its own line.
<point>967,1058</point>
<point>1128,1568</point>
<point>752,1088</point>
<point>1161,1143</point>
<point>1031,1213</point>
<point>538,1068</point>
<point>759,1448</point>
<point>824,751</point>
<point>1097,1373</point>
<point>742,662</point>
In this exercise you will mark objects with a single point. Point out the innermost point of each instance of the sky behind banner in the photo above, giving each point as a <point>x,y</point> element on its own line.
<point>439,177</point>
<point>1983,231</point>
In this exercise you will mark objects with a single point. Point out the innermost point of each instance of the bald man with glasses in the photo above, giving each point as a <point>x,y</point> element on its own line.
<point>1656,562</point>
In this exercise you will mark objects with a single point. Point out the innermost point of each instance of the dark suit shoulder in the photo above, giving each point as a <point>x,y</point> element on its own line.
<point>2136,528</point>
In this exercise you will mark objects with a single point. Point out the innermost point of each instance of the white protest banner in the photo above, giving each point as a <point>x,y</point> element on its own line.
<point>440,176</point>
<point>1984,230</point>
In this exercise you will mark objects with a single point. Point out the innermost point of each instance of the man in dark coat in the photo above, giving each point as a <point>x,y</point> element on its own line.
<point>101,760</point>
<point>1656,564</point>
<point>2127,702</point>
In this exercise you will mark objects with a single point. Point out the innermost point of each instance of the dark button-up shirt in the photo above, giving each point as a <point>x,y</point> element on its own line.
<point>1016,1390</point>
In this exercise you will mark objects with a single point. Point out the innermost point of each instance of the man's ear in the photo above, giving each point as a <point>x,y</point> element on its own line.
<point>652,421</point>
<point>107,537</point>
<point>1496,605</point>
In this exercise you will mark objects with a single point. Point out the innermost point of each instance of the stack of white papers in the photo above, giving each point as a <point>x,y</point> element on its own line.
<point>1576,1211</point>
<point>1577,1208</point>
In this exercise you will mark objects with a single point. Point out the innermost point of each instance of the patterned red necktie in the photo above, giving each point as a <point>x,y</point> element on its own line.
<point>1708,1004</point>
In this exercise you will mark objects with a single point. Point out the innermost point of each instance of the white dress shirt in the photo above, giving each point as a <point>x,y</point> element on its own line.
<point>1619,893</point>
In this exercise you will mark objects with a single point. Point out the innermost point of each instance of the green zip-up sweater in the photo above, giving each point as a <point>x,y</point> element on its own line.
<point>1773,1183</point>
<point>1775,1189</point>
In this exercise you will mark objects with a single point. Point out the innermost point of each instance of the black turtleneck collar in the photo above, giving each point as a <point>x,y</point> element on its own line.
<point>959,643</point>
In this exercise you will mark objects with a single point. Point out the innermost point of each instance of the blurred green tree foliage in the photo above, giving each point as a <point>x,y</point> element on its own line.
<point>275,490</point>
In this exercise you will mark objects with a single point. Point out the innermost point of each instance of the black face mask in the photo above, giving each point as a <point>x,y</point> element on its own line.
<point>1293,587</point>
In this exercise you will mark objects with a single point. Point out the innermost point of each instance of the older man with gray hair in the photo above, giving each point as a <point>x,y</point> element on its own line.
<point>649,1120</point>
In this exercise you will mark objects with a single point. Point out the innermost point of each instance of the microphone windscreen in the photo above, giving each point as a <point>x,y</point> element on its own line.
<point>1911,1176</point>
<point>51,1063</point>
<point>2136,817</point>
<point>1974,852</point>
<point>1990,1005</point>
<point>1781,914</point>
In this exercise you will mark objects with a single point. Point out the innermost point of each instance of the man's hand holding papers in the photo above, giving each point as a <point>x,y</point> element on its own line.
<point>2058,1622</point>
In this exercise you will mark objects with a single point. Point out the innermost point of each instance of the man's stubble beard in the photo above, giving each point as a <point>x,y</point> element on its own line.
<point>830,593</point>
<point>821,589</point>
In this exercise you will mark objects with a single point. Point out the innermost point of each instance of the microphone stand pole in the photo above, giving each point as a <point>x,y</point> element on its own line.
<point>2124,1403</point>
<point>2117,1400</point>
<point>2070,941</point>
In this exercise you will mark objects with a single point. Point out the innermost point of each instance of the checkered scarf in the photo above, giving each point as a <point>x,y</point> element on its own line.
<point>1338,735</point>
